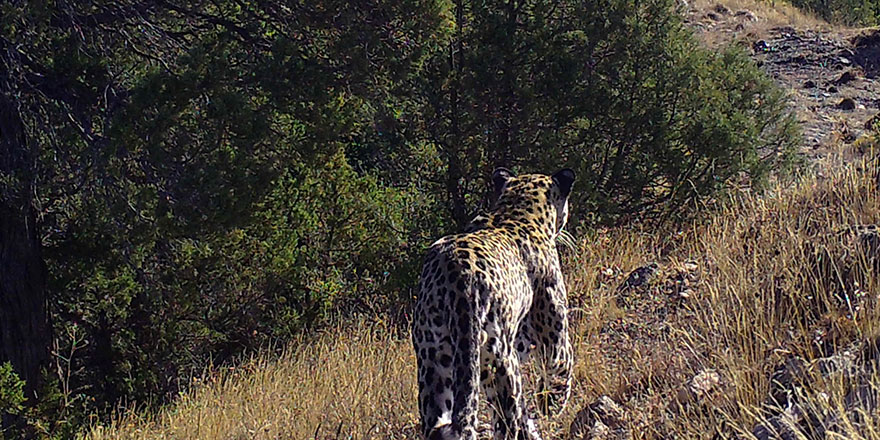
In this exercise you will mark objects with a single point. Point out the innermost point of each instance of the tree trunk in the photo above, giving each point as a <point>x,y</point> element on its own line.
<point>25,333</point>
<point>454,171</point>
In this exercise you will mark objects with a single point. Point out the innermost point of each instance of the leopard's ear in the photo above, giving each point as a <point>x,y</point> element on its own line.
<point>564,178</point>
<point>499,178</point>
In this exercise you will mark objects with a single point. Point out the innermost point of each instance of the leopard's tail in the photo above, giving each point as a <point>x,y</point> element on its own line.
<point>467,375</point>
<point>464,331</point>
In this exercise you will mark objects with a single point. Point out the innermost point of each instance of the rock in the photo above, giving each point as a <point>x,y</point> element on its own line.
<point>785,378</point>
<point>603,419</point>
<point>847,104</point>
<point>871,123</point>
<point>782,427</point>
<point>846,77</point>
<point>640,276</point>
<point>844,362</point>
<point>868,240</point>
<point>761,46</point>
<point>810,84</point>
<point>704,384</point>
<point>700,389</point>
<point>721,9</point>
<point>607,411</point>
<point>599,431</point>
<point>746,14</point>
<point>845,61</point>
<point>799,409</point>
<point>713,16</point>
<point>683,5</point>
<point>832,89</point>
<point>865,247</point>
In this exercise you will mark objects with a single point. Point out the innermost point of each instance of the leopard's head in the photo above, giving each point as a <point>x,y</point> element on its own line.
<point>534,198</point>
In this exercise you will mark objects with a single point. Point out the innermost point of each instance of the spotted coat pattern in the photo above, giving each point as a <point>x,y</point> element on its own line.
<point>488,298</point>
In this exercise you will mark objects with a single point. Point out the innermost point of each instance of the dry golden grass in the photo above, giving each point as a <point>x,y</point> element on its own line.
<point>354,383</point>
<point>773,13</point>
<point>773,272</point>
<point>737,29</point>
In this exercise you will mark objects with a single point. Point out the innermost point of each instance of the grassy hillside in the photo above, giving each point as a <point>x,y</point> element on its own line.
<point>763,280</point>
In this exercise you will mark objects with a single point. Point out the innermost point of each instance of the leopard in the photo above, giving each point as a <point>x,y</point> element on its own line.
<point>490,299</point>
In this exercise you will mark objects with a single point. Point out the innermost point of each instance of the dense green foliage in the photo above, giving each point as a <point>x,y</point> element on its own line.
<point>11,390</point>
<point>617,90</point>
<point>220,176</point>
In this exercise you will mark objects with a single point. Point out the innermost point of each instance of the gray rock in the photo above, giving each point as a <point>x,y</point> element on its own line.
<point>868,240</point>
<point>699,390</point>
<point>846,77</point>
<point>721,9</point>
<point>600,431</point>
<point>603,419</point>
<point>847,104</point>
<point>640,276</point>
<point>746,14</point>
<point>793,415</point>
<point>782,427</point>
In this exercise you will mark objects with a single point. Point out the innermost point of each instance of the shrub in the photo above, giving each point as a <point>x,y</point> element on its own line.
<point>618,90</point>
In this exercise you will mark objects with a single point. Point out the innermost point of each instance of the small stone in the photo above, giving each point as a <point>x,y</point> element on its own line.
<point>700,389</point>
<point>845,61</point>
<point>761,46</point>
<point>810,84</point>
<point>599,431</point>
<point>599,420</point>
<point>691,266</point>
<point>777,428</point>
<point>847,104</point>
<point>721,9</point>
<point>832,89</point>
<point>713,16</point>
<point>705,383</point>
<point>845,77</point>
<point>746,14</point>
<point>607,411</point>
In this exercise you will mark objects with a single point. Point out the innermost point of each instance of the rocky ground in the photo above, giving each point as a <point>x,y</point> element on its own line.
<point>831,73</point>
<point>656,298</point>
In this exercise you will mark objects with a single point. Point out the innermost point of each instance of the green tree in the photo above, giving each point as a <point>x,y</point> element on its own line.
<point>147,139</point>
<point>617,89</point>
